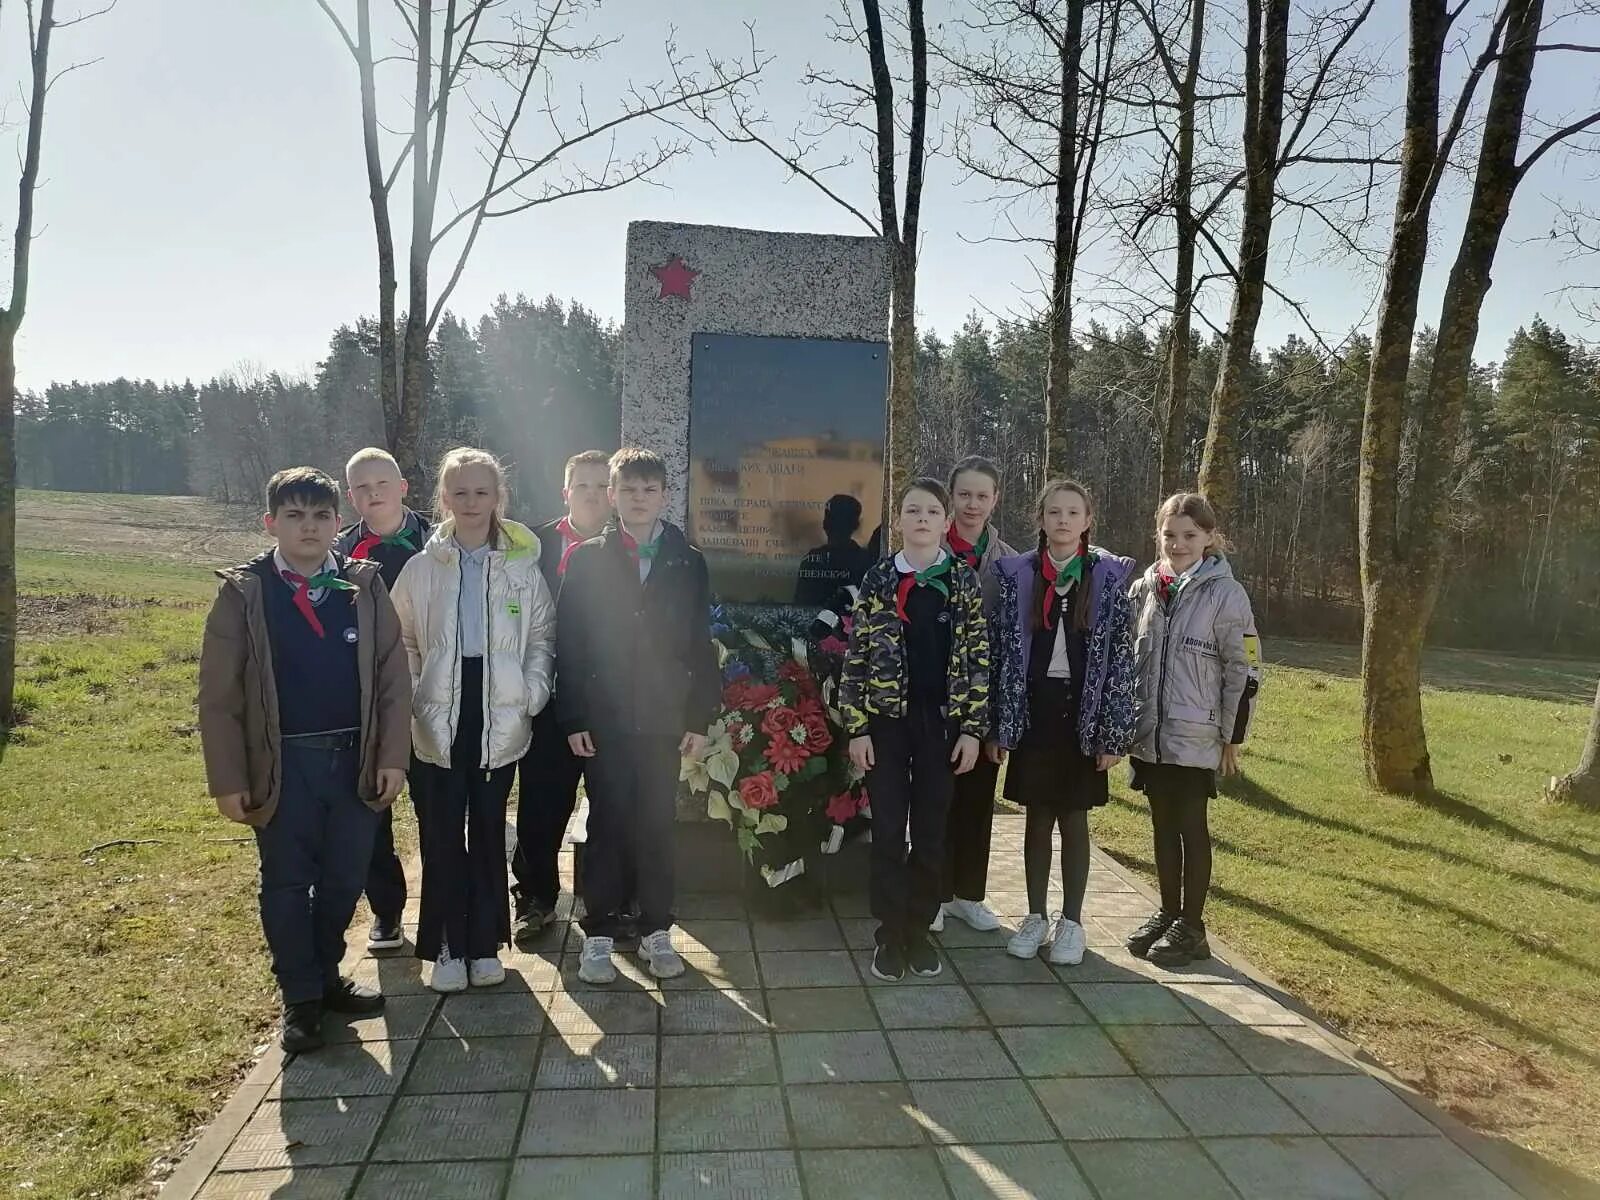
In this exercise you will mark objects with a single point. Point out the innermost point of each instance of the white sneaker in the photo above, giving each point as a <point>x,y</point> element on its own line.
<point>449,974</point>
<point>975,913</point>
<point>595,965</point>
<point>1025,943</point>
<point>657,952</point>
<point>1067,943</point>
<point>486,972</point>
<point>937,924</point>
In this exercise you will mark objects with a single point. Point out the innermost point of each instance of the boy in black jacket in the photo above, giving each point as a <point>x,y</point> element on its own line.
<point>388,533</point>
<point>638,685</point>
<point>548,776</point>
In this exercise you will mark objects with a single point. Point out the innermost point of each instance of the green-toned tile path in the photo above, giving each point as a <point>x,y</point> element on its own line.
<point>778,1067</point>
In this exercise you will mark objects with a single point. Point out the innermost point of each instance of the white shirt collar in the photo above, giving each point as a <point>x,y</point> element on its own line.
<point>903,564</point>
<point>328,564</point>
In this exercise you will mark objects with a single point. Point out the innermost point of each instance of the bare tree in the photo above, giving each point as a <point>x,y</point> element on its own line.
<point>869,112</point>
<point>498,59</point>
<point>1582,785</point>
<point>42,25</point>
<point>1404,516</point>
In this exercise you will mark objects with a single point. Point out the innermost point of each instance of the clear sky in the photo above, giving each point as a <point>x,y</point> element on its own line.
<point>205,204</point>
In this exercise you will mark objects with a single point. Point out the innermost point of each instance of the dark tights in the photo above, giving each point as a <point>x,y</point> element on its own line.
<point>1183,854</point>
<point>1036,851</point>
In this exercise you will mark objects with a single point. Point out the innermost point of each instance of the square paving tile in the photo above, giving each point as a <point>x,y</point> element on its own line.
<point>863,959</point>
<point>1116,1107</point>
<point>860,933</point>
<point>426,1181</point>
<point>615,1178</point>
<point>853,1114</point>
<point>633,977</point>
<point>476,1015</point>
<point>613,1121</point>
<point>1045,1050</point>
<point>531,970</point>
<point>1288,1168</point>
<point>973,1111</point>
<point>1115,904</point>
<point>282,1183</point>
<point>450,1127</point>
<point>708,969</point>
<point>813,933</point>
<point>392,976</point>
<point>798,1010</point>
<point>1106,964</point>
<point>1422,1168</point>
<point>990,965</point>
<point>1176,1050</point>
<point>595,1011</point>
<point>1234,1004</point>
<point>713,1012</point>
<point>354,1069</point>
<point>851,903</point>
<point>717,1058</point>
<point>951,1054</point>
<point>722,1118</point>
<point>808,968</point>
<point>960,934</point>
<point>1286,1050</point>
<point>861,1057</point>
<point>721,906</point>
<point>402,1018</point>
<point>1132,1004</point>
<point>1228,1106</point>
<point>1141,1170</point>
<point>588,1060</point>
<point>871,1174</point>
<point>711,934</point>
<point>1350,1104</point>
<point>1017,1172</point>
<point>1030,1004</point>
<point>925,1008</point>
<point>767,1174</point>
<point>481,1065</point>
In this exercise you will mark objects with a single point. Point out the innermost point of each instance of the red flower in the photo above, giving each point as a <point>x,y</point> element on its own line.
<point>809,706</point>
<point>758,791</point>
<point>794,671</point>
<point>785,756</point>
<point>833,644</point>
<point>818,738</point>
<point>778,721</point>
<point>842,807</point>
<point>759,695</point>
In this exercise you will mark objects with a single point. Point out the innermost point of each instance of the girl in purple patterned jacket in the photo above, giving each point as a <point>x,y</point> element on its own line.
<point>1062,640</point>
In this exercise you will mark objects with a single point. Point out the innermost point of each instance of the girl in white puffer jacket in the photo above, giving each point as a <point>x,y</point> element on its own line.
<point>478,624</point>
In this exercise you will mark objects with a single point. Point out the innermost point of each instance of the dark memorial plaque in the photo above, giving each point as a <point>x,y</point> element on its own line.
<point>777,427</point>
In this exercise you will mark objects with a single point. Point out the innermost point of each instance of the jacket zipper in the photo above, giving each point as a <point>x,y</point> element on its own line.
<point>488,663</point>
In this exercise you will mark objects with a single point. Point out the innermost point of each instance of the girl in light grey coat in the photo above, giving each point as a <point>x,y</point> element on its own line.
<point>1198,661</point>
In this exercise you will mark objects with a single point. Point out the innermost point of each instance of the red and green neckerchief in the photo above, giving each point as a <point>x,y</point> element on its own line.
<point>371,541</point>
<point>1169,585</point>
<point>641,551</point>
<point>969,552</point>
<point>1073,570</point>
<point>933,576</point>
<point>571,539</point>
<point>303,587</point>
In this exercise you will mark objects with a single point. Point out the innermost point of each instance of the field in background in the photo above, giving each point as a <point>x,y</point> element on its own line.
<point>1453,938</point>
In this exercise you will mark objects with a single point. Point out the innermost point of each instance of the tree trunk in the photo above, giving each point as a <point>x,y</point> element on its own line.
<point>1179,334</point>
<point>1058,374</point>
<point>902,448</point>
<point>1266,63</point>
<point>378,192</point>
<point>1582,786</point>
<point>8,520</point>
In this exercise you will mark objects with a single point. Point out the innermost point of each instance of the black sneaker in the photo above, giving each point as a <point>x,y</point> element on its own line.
<point>922,958</point>
<point>1148,934</point>
<point>385,935</point>
<point>348,996</point>
<point>1184,942</point>
<point>531,921</point>
<point>302,1027</point>
<point>889,962</point>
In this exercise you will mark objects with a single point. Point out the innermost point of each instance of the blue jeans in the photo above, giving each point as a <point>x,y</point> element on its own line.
<point>314,858</point>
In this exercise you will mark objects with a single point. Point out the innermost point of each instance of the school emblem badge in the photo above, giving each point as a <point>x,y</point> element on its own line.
<point>352,635</point>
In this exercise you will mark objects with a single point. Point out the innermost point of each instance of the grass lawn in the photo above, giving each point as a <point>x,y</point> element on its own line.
<point>1453,938</point>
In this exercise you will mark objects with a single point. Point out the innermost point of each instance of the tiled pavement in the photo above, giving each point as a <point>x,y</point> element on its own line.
<point>778,1067</point>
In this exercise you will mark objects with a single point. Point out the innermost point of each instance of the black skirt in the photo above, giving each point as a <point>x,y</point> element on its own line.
<point>1171,781</point>
<point>1048,768</point>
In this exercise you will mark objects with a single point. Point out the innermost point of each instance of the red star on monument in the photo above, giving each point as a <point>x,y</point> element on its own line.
<point>675,277</point>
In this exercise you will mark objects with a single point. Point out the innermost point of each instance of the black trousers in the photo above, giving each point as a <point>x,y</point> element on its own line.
<point>314,856</point>
<point>461,824</point>
<point>633,788</point>
<point>547,792</point>
<point>386,878</point>
<point>967,833</point>
<point>910,785</point>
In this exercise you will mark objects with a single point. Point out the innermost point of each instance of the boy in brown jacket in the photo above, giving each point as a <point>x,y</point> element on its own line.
<point>305,725</point>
